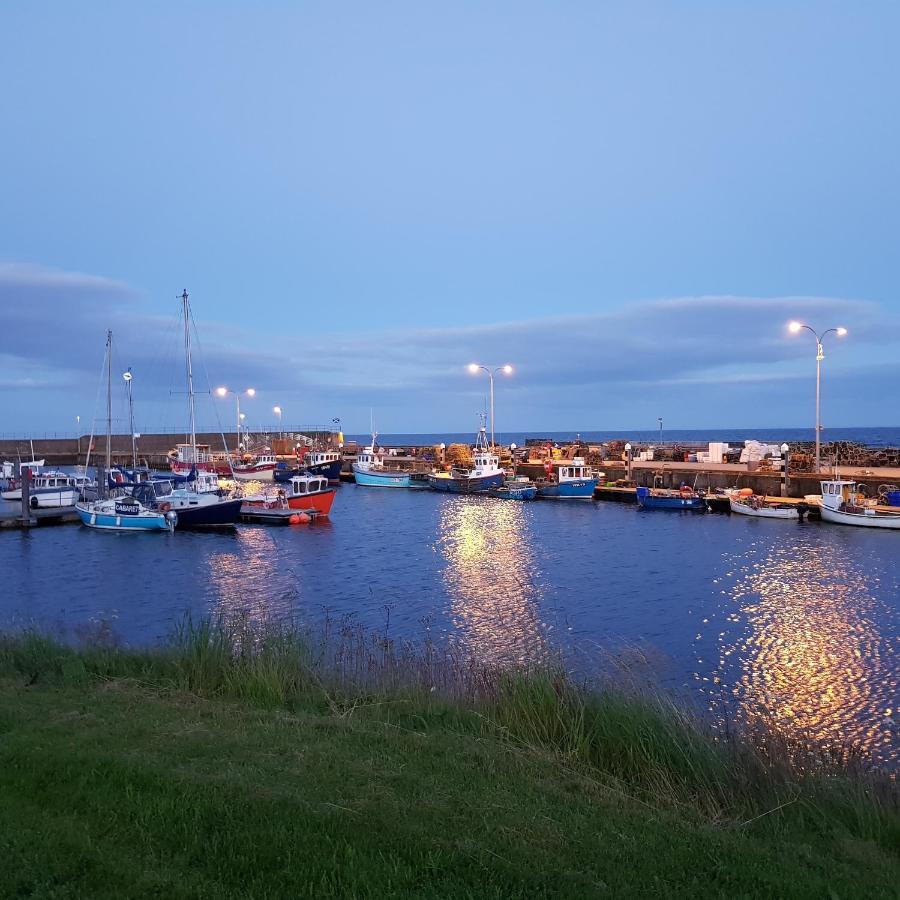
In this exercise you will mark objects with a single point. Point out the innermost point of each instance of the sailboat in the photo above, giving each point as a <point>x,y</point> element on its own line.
<point>120,513</point>
<point>194,504</point>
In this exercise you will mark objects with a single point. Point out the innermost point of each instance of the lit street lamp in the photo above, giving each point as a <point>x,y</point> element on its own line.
<point>506,370</point>
<point>277,411</point>
<point>795,328</point>
<point>224,392</point>
<point>628,459</point>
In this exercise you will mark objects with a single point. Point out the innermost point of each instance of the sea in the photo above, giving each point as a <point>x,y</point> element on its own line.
<point>744,619</point>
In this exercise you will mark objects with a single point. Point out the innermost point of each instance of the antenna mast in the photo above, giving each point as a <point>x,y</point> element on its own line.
<point>108,400</point>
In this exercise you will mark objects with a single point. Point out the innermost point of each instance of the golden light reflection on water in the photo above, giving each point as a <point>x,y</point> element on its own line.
<point>491,578</point>
<point>239,574</point>
<point>812,659</point>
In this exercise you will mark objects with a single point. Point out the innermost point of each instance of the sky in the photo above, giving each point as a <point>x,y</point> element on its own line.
<point>627,202</point>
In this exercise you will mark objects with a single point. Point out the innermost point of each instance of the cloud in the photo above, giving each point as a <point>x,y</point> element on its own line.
<point>690,358</point>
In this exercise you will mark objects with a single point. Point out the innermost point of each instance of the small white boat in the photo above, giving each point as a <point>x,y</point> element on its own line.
<point>759,507</point>
<point>843,504</point>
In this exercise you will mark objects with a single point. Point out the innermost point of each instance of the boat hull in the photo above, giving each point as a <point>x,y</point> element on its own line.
<point>838,517</point>
<point>580,489</point>
<point>646,500</point>
<point>111,522</point>
<point>386,479</point>
<point>54,498</point>
<point>222,514</point>
<point>479,484</point>
<point>263,473</point>
<point>764,512</point>
<point>319,502</point>
<point>514,493</point>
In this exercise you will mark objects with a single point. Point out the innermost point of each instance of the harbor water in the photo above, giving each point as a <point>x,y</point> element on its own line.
<point>796,622</point>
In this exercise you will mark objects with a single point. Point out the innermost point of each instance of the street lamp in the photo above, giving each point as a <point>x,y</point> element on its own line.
<point>795,328</point>
<point>249,392</point>
<point>474,368</point>
<point>277,411</point>
<point>628,459</point>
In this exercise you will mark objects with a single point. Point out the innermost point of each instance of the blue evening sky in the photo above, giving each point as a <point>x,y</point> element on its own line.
<point>626,201</point>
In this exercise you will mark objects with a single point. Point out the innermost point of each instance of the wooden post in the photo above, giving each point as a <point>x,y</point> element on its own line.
<point>27,518</point>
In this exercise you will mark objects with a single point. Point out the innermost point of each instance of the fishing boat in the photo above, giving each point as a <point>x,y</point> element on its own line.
<point>746,503</point>
<point>53,490</point>
<point>513,491</point>
<point>842,503</point>
<point>369,471</point>
<point>262,468</point>
<point>304,493</point>
<point>327,463</point>
<point>685,498</point>
<point>571,481</point>
<point>484,475</point>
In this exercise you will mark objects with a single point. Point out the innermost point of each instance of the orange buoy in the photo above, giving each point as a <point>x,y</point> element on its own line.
<point>745,492</point>
<point>294,519</point>
<point>304,518</point>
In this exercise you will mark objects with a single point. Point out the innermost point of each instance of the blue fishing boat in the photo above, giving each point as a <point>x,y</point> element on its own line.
<point>484,475</point>
<point>571,481</point>
<point>369,471</point>
<point>513,491</point>
<point>684,499</point>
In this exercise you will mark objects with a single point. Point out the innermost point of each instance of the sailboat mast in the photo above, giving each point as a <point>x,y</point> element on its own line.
<point>128,378</point>
<point>190,372</point>
<point>108,400</point>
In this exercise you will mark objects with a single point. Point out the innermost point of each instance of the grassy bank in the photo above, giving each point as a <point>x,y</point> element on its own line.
<point>233,763</point>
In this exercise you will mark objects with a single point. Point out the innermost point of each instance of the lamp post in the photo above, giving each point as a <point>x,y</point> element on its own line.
<point>277,411</point>
<point>506,370</point>
<point>785,457</point>
<point>78,435</point>
<point>249,392</point>
<point>659,419</point>
<point>795,328</point>
<point>628,460</point>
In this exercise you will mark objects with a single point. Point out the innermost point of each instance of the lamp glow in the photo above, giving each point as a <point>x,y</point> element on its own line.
<point>473,368</point>
<point>221,391</point>
<point>794,327</point>
<point>251,392</point>
<point>841,331</point>
<point>507,370</point>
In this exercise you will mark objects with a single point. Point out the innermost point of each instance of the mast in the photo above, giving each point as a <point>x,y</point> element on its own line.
<point>108,400</point>
<point>190,372</point>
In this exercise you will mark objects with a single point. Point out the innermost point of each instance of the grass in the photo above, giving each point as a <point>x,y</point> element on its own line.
<point>236,762</point>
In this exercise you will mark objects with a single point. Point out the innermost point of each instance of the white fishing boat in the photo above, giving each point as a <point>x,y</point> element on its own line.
<point>842,503</point>
<point>761,508</point>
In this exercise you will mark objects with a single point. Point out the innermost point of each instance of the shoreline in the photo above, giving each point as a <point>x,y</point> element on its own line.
<point>228,760</point>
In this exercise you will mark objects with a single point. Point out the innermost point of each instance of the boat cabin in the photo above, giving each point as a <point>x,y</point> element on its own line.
<point>369,458</point>
<point>576,470</point>
<point>266,459</point>
<point>840,494</point>
<point>184,453</point>
<point>316,457</point>
<point>52,481</point>
<point>307,484</point>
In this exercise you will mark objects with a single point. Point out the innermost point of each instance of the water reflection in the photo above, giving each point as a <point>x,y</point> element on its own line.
<point>491,579</point>
<point>245,578</point>
<point>812,661</point>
